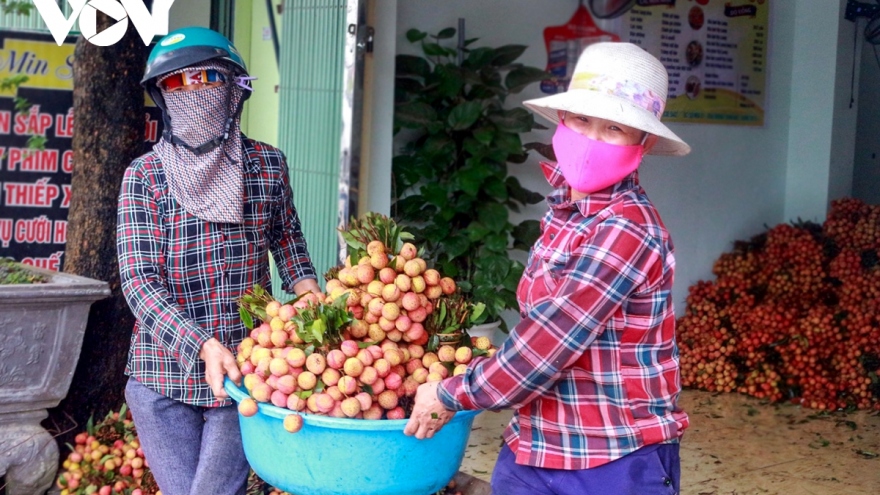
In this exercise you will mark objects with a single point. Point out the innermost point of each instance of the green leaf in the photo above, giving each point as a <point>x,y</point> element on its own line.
<point>496,242</point>
<point>476,149</point>
<point>520,78</point>
<point>433,343</point>
<point>515,120</point>
<point>476,231</point>
<point>449,80</point>
<point>505,55</point>
<point>435,194</point>
<point>456,245</point>
<point>414,115</point>
<point>525,234</point>
<point>246,318</point>
<point>471,179</point>
<point>433,49</point>
<point>406,89</point>
<point>411,65</point>
<point>495,188</point>
<point>446,33</point>
<point>544,149</point>
<point>508,142</point>
<point>464,115</point>
<point>493,215</point>
<point>414,35</point>
<point>521,194</point>
<point>484,135</point>
<point>479,58</point>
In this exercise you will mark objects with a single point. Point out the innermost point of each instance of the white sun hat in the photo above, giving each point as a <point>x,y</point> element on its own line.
<point>619,82</point>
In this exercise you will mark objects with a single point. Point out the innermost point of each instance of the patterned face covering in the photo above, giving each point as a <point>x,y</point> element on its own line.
<point>204,171</point>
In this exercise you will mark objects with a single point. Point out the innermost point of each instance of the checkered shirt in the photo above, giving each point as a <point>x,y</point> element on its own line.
<point>592,369</point>
<point>182,276</point>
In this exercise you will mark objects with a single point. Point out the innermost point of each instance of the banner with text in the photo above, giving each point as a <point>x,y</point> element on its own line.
<point>35,182</point>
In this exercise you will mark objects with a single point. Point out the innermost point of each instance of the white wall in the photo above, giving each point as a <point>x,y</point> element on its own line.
<point>728,188</point>
<point>866,183</point>
<point>377,184</point>
<point>189,13</point>
<point>843,135</point>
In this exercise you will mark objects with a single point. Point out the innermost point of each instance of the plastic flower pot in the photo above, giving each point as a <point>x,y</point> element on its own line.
<point>340,456</point>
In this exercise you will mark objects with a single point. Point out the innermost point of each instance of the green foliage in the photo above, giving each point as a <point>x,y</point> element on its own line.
<point>16,273</point>
<point>452,187</point>
<point>12,83</point>
<point>321,324</point>
<point>373,227</point>
<point>18,7</point>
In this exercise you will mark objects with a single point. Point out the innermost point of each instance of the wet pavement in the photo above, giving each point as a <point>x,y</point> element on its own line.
<point>738,445</point>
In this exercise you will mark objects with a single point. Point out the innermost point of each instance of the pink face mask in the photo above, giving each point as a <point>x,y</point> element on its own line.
<point>589,165</point>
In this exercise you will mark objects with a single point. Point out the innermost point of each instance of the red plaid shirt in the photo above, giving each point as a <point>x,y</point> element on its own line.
<point>592,369</point>
<point>182,276</point>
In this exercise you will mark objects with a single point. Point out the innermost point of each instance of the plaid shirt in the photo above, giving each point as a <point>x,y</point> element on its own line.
<point>182,276</point>
<point>592,369</point>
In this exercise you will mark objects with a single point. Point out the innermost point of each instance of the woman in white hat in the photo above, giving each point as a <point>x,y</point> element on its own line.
<point>592,369</point>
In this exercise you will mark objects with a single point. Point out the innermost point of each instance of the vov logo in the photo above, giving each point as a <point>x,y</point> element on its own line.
<point>147,24</point>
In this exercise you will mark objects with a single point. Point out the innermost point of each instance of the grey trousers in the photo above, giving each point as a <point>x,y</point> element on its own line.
<point>191,450</point>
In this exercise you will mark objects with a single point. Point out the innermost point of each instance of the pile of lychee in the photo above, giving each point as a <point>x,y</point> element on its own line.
<point>106,459</point>
<point>371,366</point>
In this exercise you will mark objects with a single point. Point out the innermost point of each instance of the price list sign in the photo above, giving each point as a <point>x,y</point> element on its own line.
<point>715,52</point>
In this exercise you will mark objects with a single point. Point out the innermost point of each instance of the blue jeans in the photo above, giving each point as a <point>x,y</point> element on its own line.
<point>651,470</point>
<point>191,450</point>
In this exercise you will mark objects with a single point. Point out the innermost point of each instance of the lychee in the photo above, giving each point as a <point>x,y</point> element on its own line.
<point>286,312</point>
<point>286,384</point>
<point>353,367</point>
<point>295,357</point>
<point>432,277</point>
<point>307,380</point>
<point>351,407</point>
<point>412,268</point>
<point>293,423</point>
<point>387,399</point>
<point>463,355</point>
<point>248,407</point>
<point>347,385</point>
<point>330,376</point>
<point>390,292</point>
<point>316,363</point>
<point>446,353</point>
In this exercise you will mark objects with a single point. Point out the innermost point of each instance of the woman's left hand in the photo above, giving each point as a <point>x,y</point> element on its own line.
<point>308,285</point>
<point>429,414</point>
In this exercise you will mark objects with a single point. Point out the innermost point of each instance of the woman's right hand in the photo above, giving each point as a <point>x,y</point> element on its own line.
<point>219,362</point>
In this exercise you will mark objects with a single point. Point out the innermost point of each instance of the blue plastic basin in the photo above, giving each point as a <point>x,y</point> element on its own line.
<point>335,456</point>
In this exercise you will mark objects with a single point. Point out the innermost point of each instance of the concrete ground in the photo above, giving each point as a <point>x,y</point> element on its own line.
<point>737,445</point>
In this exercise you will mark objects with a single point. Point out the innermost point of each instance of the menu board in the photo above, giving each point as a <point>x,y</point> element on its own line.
<point>715,52</point>
<point>35,187</point>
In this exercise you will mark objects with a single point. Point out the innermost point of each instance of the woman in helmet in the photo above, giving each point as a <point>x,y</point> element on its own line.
<point>197,218</point>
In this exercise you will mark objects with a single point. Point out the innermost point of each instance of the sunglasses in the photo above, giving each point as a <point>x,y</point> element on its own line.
<point>192,79</point>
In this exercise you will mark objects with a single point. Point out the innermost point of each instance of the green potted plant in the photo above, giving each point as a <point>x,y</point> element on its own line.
<point>452,188</point>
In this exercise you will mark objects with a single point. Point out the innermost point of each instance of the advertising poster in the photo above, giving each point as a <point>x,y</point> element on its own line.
<point>35,183</point>
<point>714,50</point>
